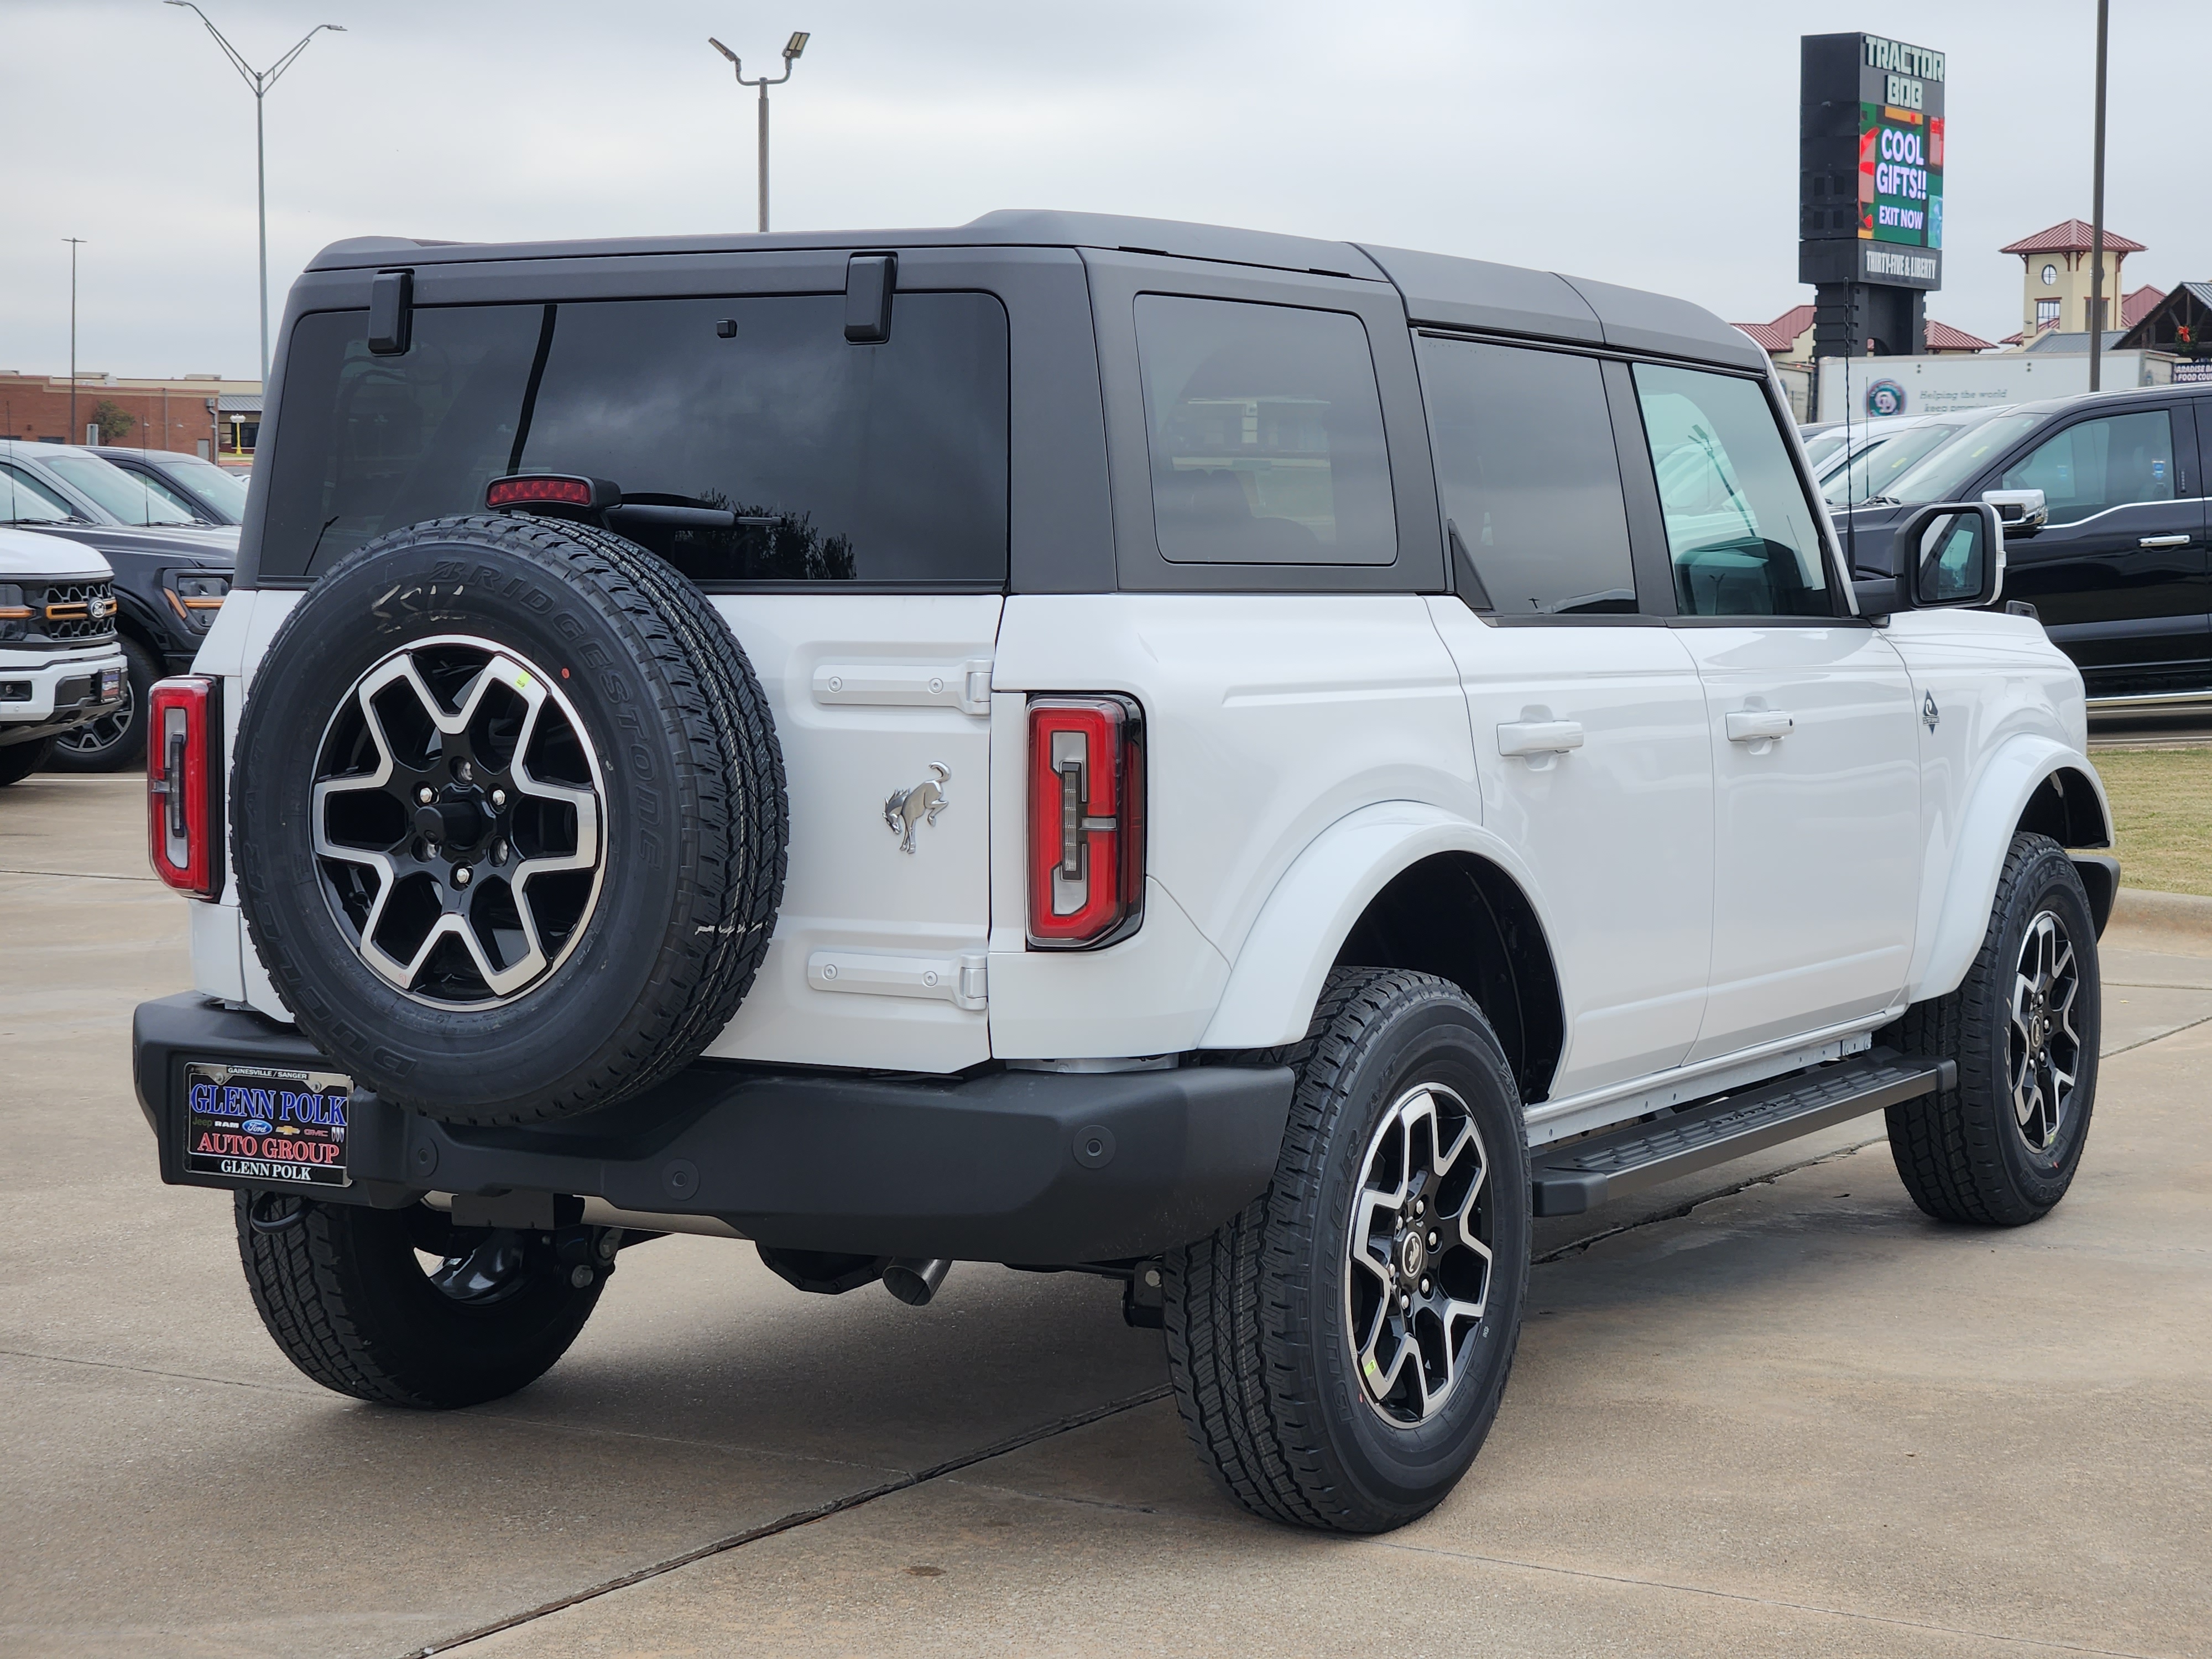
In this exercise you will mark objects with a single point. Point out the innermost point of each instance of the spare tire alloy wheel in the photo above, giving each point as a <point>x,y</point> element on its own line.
<point>1418,1260</point>
<point>508,819</point>
<point>458,811</point>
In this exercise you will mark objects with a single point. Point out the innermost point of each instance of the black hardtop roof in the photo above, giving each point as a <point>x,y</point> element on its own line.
<point>1440,291</point>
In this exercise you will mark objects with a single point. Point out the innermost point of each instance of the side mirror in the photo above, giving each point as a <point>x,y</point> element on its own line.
<point>2022,511</point>
<point>1947,556</point>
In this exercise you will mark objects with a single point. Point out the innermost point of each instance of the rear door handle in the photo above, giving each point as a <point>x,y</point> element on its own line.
<point>1539,737</point>
<point>1755,724</point>
<point>2164,541</point>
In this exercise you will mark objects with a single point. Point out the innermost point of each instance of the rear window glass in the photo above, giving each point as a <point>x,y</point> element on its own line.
<point>881,463</point>
<point>1266,433</point>
<point>1531,481</point>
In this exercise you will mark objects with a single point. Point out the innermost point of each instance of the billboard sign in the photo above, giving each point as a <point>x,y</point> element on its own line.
<point>1871,143</point>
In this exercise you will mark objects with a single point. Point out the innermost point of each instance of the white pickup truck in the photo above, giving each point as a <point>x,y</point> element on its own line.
<point>61,667</point>
<point>1248,765</point>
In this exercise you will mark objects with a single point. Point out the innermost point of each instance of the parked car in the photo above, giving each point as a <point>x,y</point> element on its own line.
<point>171,574</point>
<point>2106,536</point>
<point>1245,765</point>
<point>59,666</point>
<point>1888,448</point>
<point>207,493</point>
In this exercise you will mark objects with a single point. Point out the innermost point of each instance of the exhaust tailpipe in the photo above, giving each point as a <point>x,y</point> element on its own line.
<point>914,1281</point>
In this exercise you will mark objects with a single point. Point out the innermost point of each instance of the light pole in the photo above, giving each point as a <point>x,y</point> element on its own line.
<point>259,81</point>
<point>2097,221</point>
<point>791,48</point>
<point>75,242</point>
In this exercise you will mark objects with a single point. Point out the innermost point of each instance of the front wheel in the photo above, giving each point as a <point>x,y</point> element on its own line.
<point>1338,1349</point>
<point>118,739</point>
<point>19,760</point>
<point>2001,1148</point>
<point>351,1296</point>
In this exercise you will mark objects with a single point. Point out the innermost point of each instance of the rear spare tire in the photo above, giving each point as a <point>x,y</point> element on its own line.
<point>508,818</point>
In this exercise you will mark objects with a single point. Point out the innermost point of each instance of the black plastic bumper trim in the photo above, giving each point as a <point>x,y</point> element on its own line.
<point>1008,1166</point>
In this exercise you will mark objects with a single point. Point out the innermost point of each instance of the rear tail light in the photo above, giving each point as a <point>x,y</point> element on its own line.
<point>184,784</point>
<point>1086,822</point>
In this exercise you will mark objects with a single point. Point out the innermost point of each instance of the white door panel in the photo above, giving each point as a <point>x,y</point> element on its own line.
<point>868,691</point>
<point>1817,827</point>
<point>1595,768</point>
<point>1268,718</point>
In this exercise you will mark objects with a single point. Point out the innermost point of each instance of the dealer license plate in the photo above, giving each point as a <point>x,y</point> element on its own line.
<point>111,685</point>
<point>260,1123</point>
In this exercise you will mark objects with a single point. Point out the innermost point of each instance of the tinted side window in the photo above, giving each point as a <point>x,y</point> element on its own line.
<point>1266,433</point>
<point>882,463</point>
<point>1739,527</point>
<point>1530,482</point>
<point>2093,465</point>
<point>24,500</point>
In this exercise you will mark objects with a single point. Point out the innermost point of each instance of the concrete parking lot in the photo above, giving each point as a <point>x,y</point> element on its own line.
<point>1771,1410</point>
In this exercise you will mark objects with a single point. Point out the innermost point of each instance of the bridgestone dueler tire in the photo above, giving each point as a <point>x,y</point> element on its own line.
<point>1255,1319</point>
<point>1960,1152</point>
<point>694,838</point>
<point>341,1291</point>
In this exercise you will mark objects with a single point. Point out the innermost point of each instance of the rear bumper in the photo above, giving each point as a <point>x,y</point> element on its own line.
<point>1034,1167</point>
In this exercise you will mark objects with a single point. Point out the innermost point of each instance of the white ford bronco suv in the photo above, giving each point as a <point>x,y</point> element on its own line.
<point>1247,765</point>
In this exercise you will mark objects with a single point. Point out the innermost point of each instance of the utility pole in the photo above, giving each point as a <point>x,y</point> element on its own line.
<point>76,432</point>
<point>791,48</point>
<point>259,81</point>
<point>2097,220</point>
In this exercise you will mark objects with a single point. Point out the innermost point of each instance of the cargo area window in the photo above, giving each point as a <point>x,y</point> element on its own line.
<point>1530,481</point>
<point>1740,527</point>
<point>883,463</point>
<point>1265,430</point>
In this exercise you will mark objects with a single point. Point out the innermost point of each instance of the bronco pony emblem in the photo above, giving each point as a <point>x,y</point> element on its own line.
<point>919,804</point>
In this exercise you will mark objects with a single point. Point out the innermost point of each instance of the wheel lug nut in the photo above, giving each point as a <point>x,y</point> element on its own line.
<point>1424,1287</point>
<point>461,771</point>
<point>499,798</point>
<point>1404,1300</point>
<point>426,794</point>
<point>460,875</point>
<point>1432,1241</point>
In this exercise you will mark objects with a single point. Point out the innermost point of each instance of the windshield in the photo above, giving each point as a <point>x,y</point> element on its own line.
<point>223,493</point>
<point>1881,462</point>
<point>1820,447</point>
<point>132,498</point>
<point>24,500</point>
<point>1944,473</point>
<point>841,462</point>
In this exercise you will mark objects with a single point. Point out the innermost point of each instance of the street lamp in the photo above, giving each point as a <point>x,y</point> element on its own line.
<point>259,81</point>
<point>75,242</point>
<point>791,48</point>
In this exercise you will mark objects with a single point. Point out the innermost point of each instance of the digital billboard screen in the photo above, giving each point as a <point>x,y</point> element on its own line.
<point>1871,143</point>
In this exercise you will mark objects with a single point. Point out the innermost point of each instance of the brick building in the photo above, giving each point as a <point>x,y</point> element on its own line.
<point>192,413</point>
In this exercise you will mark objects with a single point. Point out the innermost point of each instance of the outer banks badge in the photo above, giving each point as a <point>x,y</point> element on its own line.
<point>258,1123</point>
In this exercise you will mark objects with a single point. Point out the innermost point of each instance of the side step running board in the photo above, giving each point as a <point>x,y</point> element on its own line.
<point>1568,1179</point>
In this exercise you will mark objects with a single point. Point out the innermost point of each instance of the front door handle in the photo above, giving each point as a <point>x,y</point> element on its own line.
<point>2164,541</point>
<point>1539,737</point>
<point>1757,725</point>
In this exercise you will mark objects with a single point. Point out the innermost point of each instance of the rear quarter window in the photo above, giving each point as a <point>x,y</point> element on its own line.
<point>1264,426</point>
<point>879,464</point>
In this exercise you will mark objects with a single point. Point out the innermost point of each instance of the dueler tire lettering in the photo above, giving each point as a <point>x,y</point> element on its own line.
<point>690,819</point>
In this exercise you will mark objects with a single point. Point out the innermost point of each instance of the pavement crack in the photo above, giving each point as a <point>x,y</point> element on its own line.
<point>1578,1246</point>
<point>2046,1644</point>
<point>797,1518</point>
<point>155,1370</point>
<point>2158,1038</point>
<point>77,875</point>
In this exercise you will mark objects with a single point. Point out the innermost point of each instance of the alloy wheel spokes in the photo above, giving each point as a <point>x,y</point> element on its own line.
<point>2043,1043</point>
<point>459,822</point>
<point>1417,1257</point>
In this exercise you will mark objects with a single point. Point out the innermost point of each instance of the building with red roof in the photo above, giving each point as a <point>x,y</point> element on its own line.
<point>2056,272</point>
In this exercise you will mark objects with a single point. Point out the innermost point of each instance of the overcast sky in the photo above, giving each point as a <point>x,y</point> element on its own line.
<point>1654,145</point>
